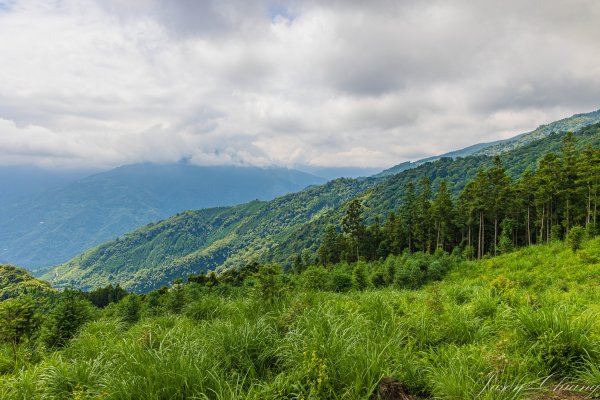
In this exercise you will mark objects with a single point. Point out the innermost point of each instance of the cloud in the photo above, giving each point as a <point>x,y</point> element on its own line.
<point>337,83</point>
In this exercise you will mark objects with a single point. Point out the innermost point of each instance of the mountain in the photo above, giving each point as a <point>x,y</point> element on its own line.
<point>572,123</point>
<point>53,226</point>
<point>277,230</point>
<point>19,182</point>
<point>331,173</point>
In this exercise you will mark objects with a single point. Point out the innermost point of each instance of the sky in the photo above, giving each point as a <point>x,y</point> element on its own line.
<point>101,83</point>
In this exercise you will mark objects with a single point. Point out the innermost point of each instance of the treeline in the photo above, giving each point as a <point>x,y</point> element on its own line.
<point>492,215</point>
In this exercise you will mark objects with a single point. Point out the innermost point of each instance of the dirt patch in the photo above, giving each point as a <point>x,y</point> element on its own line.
<point>391,389</point>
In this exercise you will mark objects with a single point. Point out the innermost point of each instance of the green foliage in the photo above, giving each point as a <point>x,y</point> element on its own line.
<point>65,319</point>
<point>575,237</point>
<point>493,329</point>
<point>359,276</point>
<point>315,278</point>
<point>560,341</point>
<point>269,284</point>
<point>15,281</point>
<point>18,321</point>
<point>129,309</point>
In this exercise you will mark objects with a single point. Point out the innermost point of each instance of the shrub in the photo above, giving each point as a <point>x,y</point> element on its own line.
<point>575,237</point>
<point>341,281</point>
<point>65,319</point>
<point>359,276</point>
<point>206,308</point>
<point>315,278</point>
<point>129,309</point>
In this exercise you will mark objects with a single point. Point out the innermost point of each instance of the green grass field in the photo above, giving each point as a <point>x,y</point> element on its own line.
<point>508,327</point>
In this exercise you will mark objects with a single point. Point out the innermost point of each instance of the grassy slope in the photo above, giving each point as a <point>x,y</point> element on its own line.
<point>268,231</point>
<point>493,329</point>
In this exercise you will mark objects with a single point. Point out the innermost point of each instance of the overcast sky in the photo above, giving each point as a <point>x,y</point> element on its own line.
<point>99,83</point>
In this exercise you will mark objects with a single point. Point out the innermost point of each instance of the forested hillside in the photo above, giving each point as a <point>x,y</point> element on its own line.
<point>199,240</point>
<point>52,227</point>
<point>17,281</point>
<point>290,229</point>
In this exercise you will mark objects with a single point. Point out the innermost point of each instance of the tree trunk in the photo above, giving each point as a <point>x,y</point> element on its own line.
<point>589,206</point>
<point>495,235</point>
<point>542,224</point>
<point>528,228</point>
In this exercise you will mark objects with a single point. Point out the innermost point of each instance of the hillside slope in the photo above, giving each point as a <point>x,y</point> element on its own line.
<point>15,281</point>
<point>573,123</point>
<point>269,231</point>
<point>53,227</point>
<point>199,240</point>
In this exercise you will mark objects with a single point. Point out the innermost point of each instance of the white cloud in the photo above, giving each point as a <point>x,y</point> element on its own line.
<point>102,83</point>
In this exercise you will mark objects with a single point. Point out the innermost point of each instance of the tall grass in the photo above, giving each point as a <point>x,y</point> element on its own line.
<point>483,332</point>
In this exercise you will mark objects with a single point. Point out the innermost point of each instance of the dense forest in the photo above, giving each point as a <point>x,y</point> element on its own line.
<point>493,213</point>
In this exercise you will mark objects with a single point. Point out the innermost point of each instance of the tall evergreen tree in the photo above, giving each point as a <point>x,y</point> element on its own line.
<point>353,225</point>
<point>443,215</point>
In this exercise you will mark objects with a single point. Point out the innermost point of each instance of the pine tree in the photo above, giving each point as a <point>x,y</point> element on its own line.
<point>443,215</point>
<point>329,253</point>
<point>409,212</point>
<point>353,225</point>
<point>499,195</point>
<point>423,222</point>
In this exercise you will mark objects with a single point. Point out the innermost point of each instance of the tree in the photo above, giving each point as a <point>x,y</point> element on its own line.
<point>269,285</point>
<point>506,242</point>
<point>19,321</point>
<point>443,215</point>
<point>409,213</point>
<point>353,225</point>
<point>129,309</point>
<point>423,222</point>
<point>480,203</point>
<point>575,237</point>
<point>569,171</point>
<point>176,299</point>
<point>499,195</point>
<point>359,276</point>
<point>66,318</point>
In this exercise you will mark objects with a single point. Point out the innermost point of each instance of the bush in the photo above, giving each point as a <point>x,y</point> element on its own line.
<point>315,278</point>
<point>359,276</point>
<point>341,281</point>
<point>575,237</point>
<point>206,308</point>
<point>66,319</point>
<point>129,309</point>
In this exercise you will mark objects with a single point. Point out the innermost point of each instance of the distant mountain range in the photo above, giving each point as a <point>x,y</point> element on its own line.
<point>20,182</point>
<point>572,123</point>
<point>280,229</point>
<point>46,227</point>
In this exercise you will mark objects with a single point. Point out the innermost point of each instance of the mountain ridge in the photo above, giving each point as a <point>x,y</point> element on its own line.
<point>60,223</point>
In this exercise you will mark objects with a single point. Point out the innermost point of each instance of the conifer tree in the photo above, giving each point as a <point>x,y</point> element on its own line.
<point>443,215</point>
